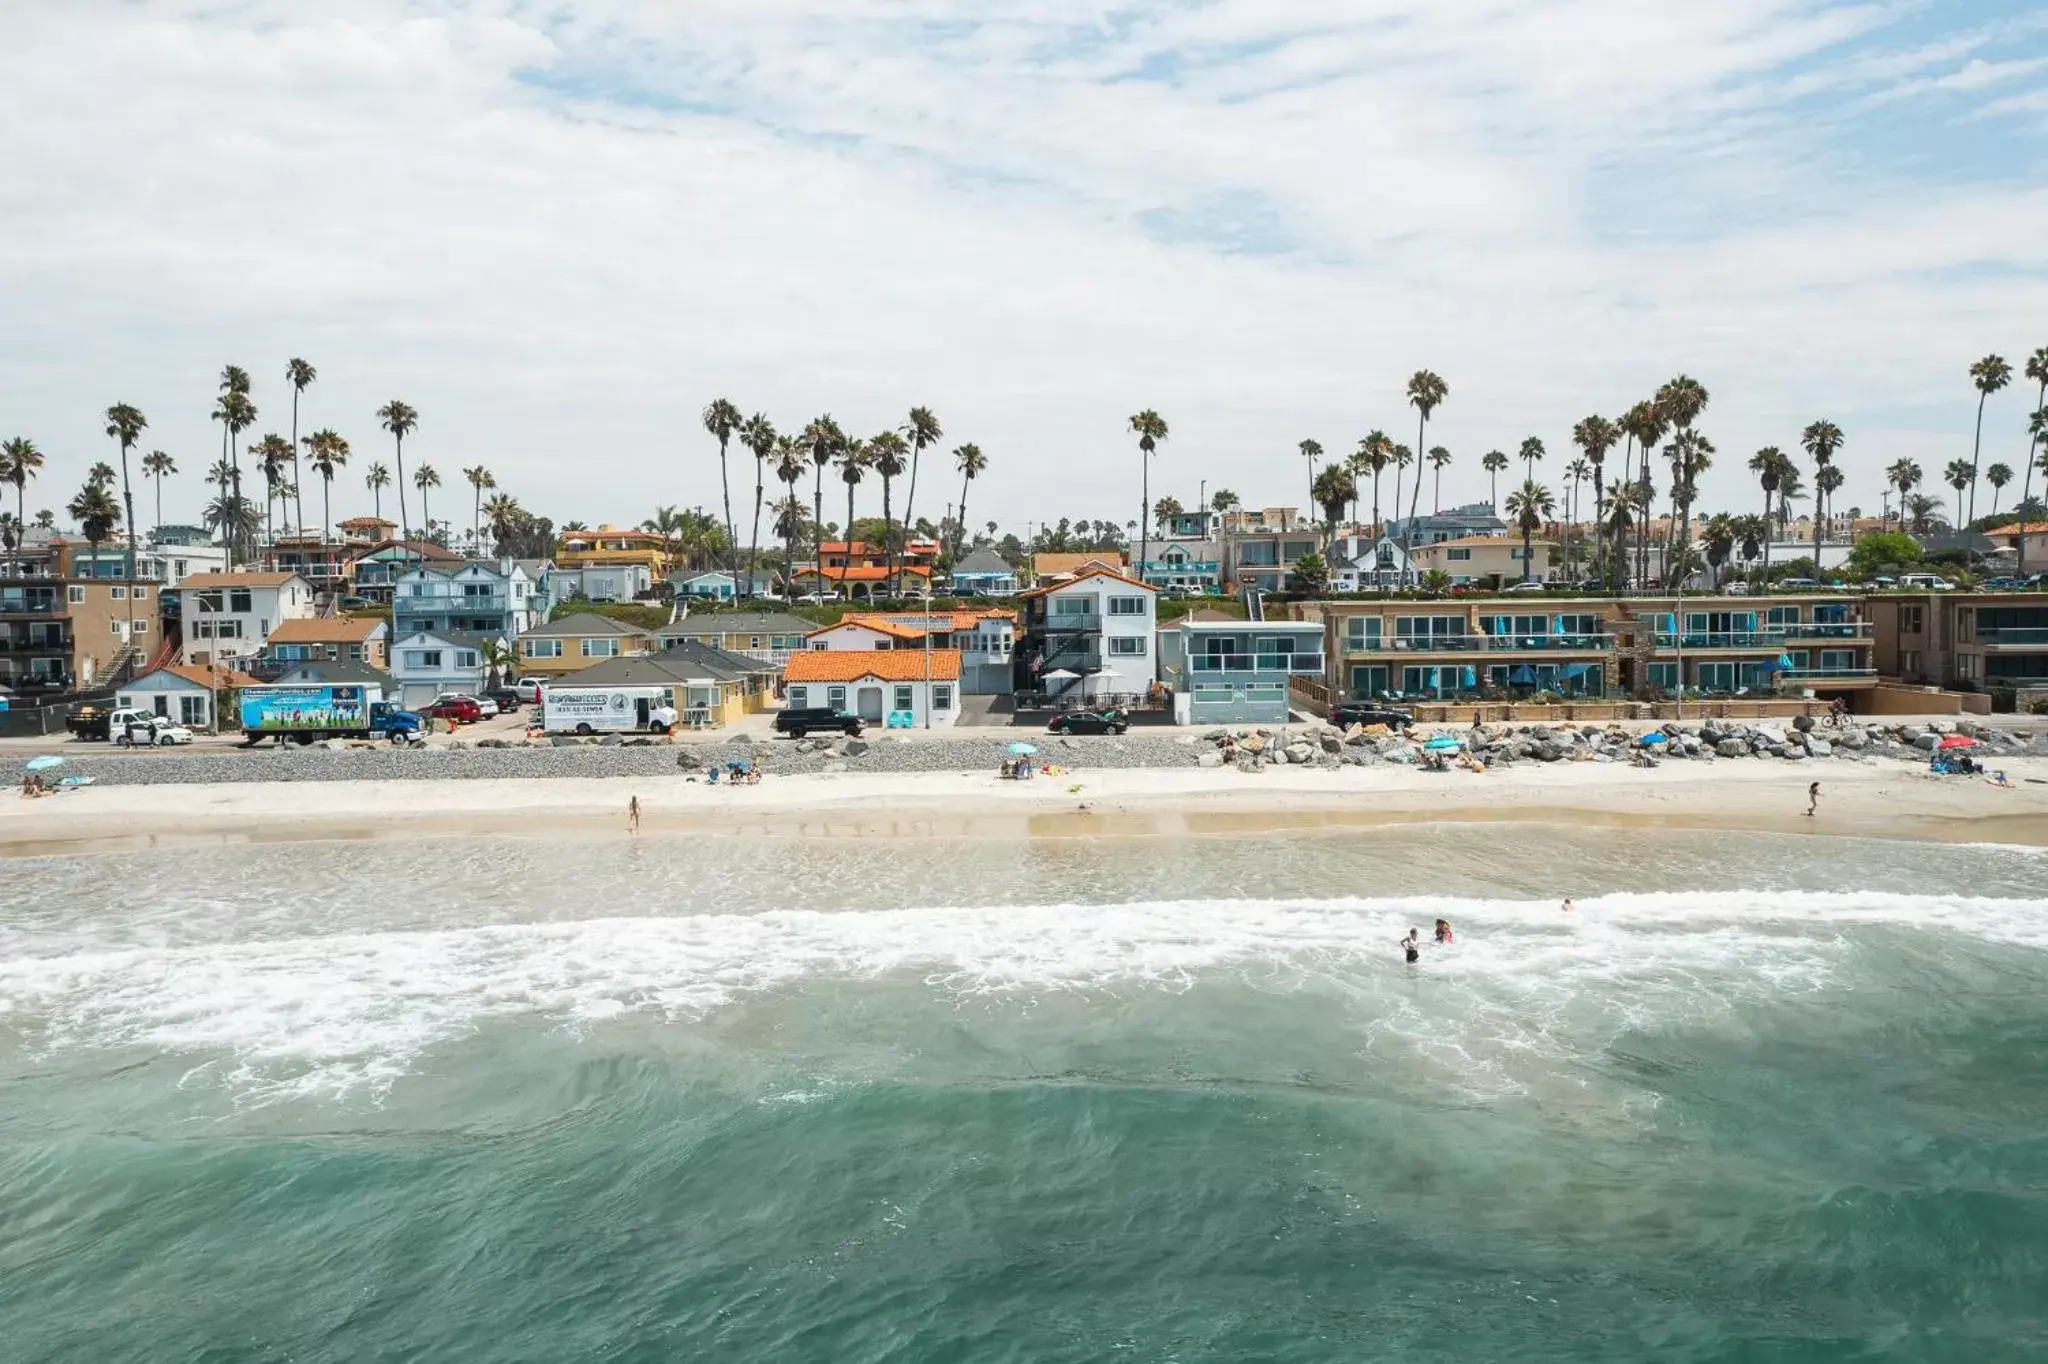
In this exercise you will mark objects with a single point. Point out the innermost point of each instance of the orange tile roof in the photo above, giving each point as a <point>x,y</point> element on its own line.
<point>884,665</point>
<point>331,630</point>
<point>840,547</point>
<point>2014,528</point>
<point>199,675</point>
<point>1044,588</point>
<point>910,624</point>
<point>873,574</point>
<point>875,623</point>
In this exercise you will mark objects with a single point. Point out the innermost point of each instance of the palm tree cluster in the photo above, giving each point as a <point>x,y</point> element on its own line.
<point>891,454</point>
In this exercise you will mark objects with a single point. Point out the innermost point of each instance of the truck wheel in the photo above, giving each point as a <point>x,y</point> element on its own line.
<point>583,728</point>
<point>798,733</point>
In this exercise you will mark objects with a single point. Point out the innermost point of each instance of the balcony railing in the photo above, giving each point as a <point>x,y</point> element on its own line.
<point>1305,665</point>
<point>30,604</point>
<point>1072,624</point>
<point>1575,643</point>
<point>1823,674</point>
<point>2007,636</point>
<point>1825,629</point>
<point>1721,639</point>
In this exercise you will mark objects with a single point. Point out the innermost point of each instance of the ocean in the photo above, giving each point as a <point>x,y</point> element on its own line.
<point>1757,1098</point>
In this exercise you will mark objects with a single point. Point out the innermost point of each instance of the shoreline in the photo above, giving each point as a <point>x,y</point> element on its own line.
<point>1877,798</point>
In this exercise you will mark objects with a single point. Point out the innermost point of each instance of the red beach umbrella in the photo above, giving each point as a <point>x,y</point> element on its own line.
<point>1958,741</point>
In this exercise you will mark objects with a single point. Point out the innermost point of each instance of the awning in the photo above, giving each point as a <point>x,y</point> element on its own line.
<point>1572,670</point>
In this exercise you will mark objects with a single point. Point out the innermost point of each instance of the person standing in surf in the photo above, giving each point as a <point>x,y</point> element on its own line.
<point>1444,936</point>
<point>1412,945</point>
<point>1812,799</point>
<point>633,815</point>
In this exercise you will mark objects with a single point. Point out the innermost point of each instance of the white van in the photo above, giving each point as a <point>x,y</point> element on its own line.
<point>606,710</point>
<point>1926,582</point>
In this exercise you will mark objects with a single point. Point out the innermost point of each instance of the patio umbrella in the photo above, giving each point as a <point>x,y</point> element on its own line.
<point>1952,741</point>
<point>44,764</point>
<point>1059,675</point>
<point>1523,676</point>
<point>1023,750</point>
<point>1442,743</point>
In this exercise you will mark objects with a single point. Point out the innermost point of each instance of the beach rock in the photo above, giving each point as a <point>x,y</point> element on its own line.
<point>1853,739</point>
<point>1804,724</point>
<point>492,743</point>
<point>1547,751</point>
<point>1817,747</point>
<point>1254,744</point>
<point>1399,753</point>
<point>1300,753</point>
<point>1731,748</point>
<point>1216,736</point>
<point>1331,741</point>
<point>1186,741</point>
<point>611,741</point>
<point>563,740</point>
<point>1927,741</point>
<point>853,748</point>
<point>1208,760</point>
<point>1356,737</point>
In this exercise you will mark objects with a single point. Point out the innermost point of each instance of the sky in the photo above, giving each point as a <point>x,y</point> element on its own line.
<point>559,230</point>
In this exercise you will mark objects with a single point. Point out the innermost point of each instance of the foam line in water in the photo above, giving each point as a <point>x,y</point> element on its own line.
<point>341,1010</point>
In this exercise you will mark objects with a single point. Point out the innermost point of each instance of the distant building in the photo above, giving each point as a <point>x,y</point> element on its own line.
<point>230,616</point>
<point>182,693</point>
<point>577,641</point>
<point>985,573</point>
<point>766,636</point>
<point>426,663</point>
<point>1484,559</point>
<point>324,639</point>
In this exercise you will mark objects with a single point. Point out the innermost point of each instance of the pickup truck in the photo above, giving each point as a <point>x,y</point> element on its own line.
<point>97,723</point>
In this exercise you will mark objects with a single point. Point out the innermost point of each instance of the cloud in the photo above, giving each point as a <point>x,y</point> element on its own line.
<point>559,231</point>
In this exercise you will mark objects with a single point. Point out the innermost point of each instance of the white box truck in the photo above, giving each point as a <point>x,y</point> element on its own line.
<point>568,709</point>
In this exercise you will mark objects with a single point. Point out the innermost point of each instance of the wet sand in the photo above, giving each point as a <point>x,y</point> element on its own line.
<point>1873,799</point>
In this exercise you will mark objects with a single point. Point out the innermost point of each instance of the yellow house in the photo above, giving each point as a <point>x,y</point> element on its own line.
<point>710,687</point>
<point>578,641</point>
<point>1482,558</point>
<point>611,546</point>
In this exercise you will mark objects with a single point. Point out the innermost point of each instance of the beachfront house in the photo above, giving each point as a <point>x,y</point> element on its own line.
<point>309,639</point>
<point>373,574</point>
<point>1238,672</point>
<point>858,571</point>
<point>719,585</point>
<point>769,636</point>
<point>1088,636</point>
<point>78,635</point>
<point>1264,560</point>
<point>492,600</point>
<point>1368,564</point>
<point>712,688</point>
<point>426,663</point>
<point>899,688</point>
<point>184,693</point>
<point>1186,553</point>
<point>230,616</point>
<point>578,641</point>
<point>985,573</point>
<point>985,639</point>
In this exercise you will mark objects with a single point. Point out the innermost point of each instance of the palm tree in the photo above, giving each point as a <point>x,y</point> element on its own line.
<point>1903,474</point>
<point>1997,475</point>
<point>757,434</point>
<point>96,513</point>
<point>722,419</point>
<point>1826,483</point>
<point>822,438</point>
<point>1621,504</point>
<point>423,478</point>
<point>1920,511</point>
<point>271,453</point>
<point>101,473</point>
<point>1530,505</point>
<point>854,461</point>
<point>1692,454</point>
<point>1718,540</point>
<point>790,460</point>
<point>1376,451</point>
<point>158,465</point>
<point>1578,471</point>
<point>480,481</point>
<point>1426,392</point>
<point>328,454</point>
<point>1493,462</point>
<point>1595,436</point>
<point>1960,476</point>
<point>1438,458</point>
<point>1164,512</point>
<point>1334,488</point>
<point>502,511</point>
<point>922,431</point>
<point>20,461</point>
<point>969,460</point>
<point>377,479</point>
<point>1821,440</point>
<point>888,452</point>
<point>401,420</point>
<point>1644,424</point>
<point>1988,375</point>
<point>1754,535</point>
<point>126,425</point>
<point>2037,370</point>
<point>1770,464</point>
<point>1311,450</point>
<point>236,414</point>
<point>1400,456</point>
<point>1150,429</point>
<point>300,375</point>
<point>1531,453</point>
<point>1220,501</point>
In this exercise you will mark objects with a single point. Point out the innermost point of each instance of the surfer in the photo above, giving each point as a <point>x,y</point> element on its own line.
<point>1444,936</point>
<point>1412,945</point>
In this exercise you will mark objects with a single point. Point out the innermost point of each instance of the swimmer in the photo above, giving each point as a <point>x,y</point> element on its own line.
<point>1444,936</point>
<point>1567,904</point>
<point>1412,945</point>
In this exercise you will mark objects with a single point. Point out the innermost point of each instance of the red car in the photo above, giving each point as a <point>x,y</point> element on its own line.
<point>461,709</point>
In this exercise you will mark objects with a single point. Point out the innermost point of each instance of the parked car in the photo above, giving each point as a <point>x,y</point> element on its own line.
<point>506,699</point>
<point>1735,589</point>
<point>1926,582</point>
<point>1531,586</point>
<point>797,721</point>
<point>2004,585</point>
<point>485,708</point>
<point>1799,584</point>
<point>1348,713</point>
<point>528,689</point>
<point>1109,720</point>
<point>463,710</point>
<point>155,731</point>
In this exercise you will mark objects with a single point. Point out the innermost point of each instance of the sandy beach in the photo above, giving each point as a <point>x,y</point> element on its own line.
<point>1875,799</point>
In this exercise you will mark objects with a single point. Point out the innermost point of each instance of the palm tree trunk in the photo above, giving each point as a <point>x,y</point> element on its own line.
<point>1975,450</point>
<point>476,516</point>
<point>399,443</point>
<point>960,530</point>
<point>732,547</point>
<point>846,539</point>
<point>1767,537</point>
<point>754,539</point>
<point>159,501</point>
<point>1436,493</point>
<point>1375,502</point>
<point>128,501</point>
<point>1528,537</point>
<point>1820,502</point>
<point>326,489</point>
<point>889,583</point>
<point>1599,521</point>
<point>300,518</point>
<point>1144,511</point>
<point>426,516</point>
<point>1414,500</point>
<point>817,523</point>
<point>377,502</point>
<point>2027,481</point>
<point>910,495</point>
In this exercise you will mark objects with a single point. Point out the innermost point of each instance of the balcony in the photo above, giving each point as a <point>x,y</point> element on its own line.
<point>2013,637</point>
<point>1087,622</point>
<point>15,602</point>
<point>1299,665</point>
<point>1494,644</point>
<point>1548,643</point>
<point>1826,675</point>
<point>1700,640</point>
<point>1828,629</point>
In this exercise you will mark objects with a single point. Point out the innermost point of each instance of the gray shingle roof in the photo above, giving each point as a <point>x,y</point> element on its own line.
<point>699,624</point>
<point>587,623</point>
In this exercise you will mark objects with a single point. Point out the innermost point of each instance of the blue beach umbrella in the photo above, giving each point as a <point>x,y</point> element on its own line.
<point>1649,739</point>
<point>1023,750</point>
<point>44,764</point>
<point>1441,743</point>
<point>1523,676</point>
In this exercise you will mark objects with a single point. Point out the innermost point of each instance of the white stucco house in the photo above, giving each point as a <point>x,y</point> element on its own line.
<point>1090,635</point>
<point>230,615</point>
<point>899,688</point>
<point>426,663</point>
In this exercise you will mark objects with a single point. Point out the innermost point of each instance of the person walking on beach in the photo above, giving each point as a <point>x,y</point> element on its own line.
<point>1812,799</point>
<point>633,815</point>
<point>1412,945</point>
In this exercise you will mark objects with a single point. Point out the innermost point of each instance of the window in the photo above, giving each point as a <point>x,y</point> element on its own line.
<point>1912,619</point>
<point>117,627</point>
<point>192,710</point>
<point>239,600</point>
<point>1837,660</point>
<point>1664,675</point>
<point>422,658</point>
<point>1782,615</point>
<point>1909,662</point>
<point>178,567</point>
<point>1515,553</point>
<point>1127,606</point>
<point>118,593</point>
<point>835,697</point>
<point>140,627</point>
<point>1073,606</point>
<point>1128,646</point>
<point>465,658</point>
<point>1418,631</point>
<point>141,592</point>
<point>75,595</point>
<point>1969,665</point>
<point>600,648</point>
<point>798,697</point>
<point>942,696</point>
<point>355,653</point>
<point>1362,634</point>
<point>1461,556</point>
<point>905,698</point>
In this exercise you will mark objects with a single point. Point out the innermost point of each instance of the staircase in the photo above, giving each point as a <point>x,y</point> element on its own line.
<point>1254,603</point>
<point>114,671</point>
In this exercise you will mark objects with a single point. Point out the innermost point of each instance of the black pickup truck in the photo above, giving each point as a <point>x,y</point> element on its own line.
<point>797,721</point>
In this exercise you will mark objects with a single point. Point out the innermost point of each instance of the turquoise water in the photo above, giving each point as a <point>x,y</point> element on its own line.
<point>1758,1098</point>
